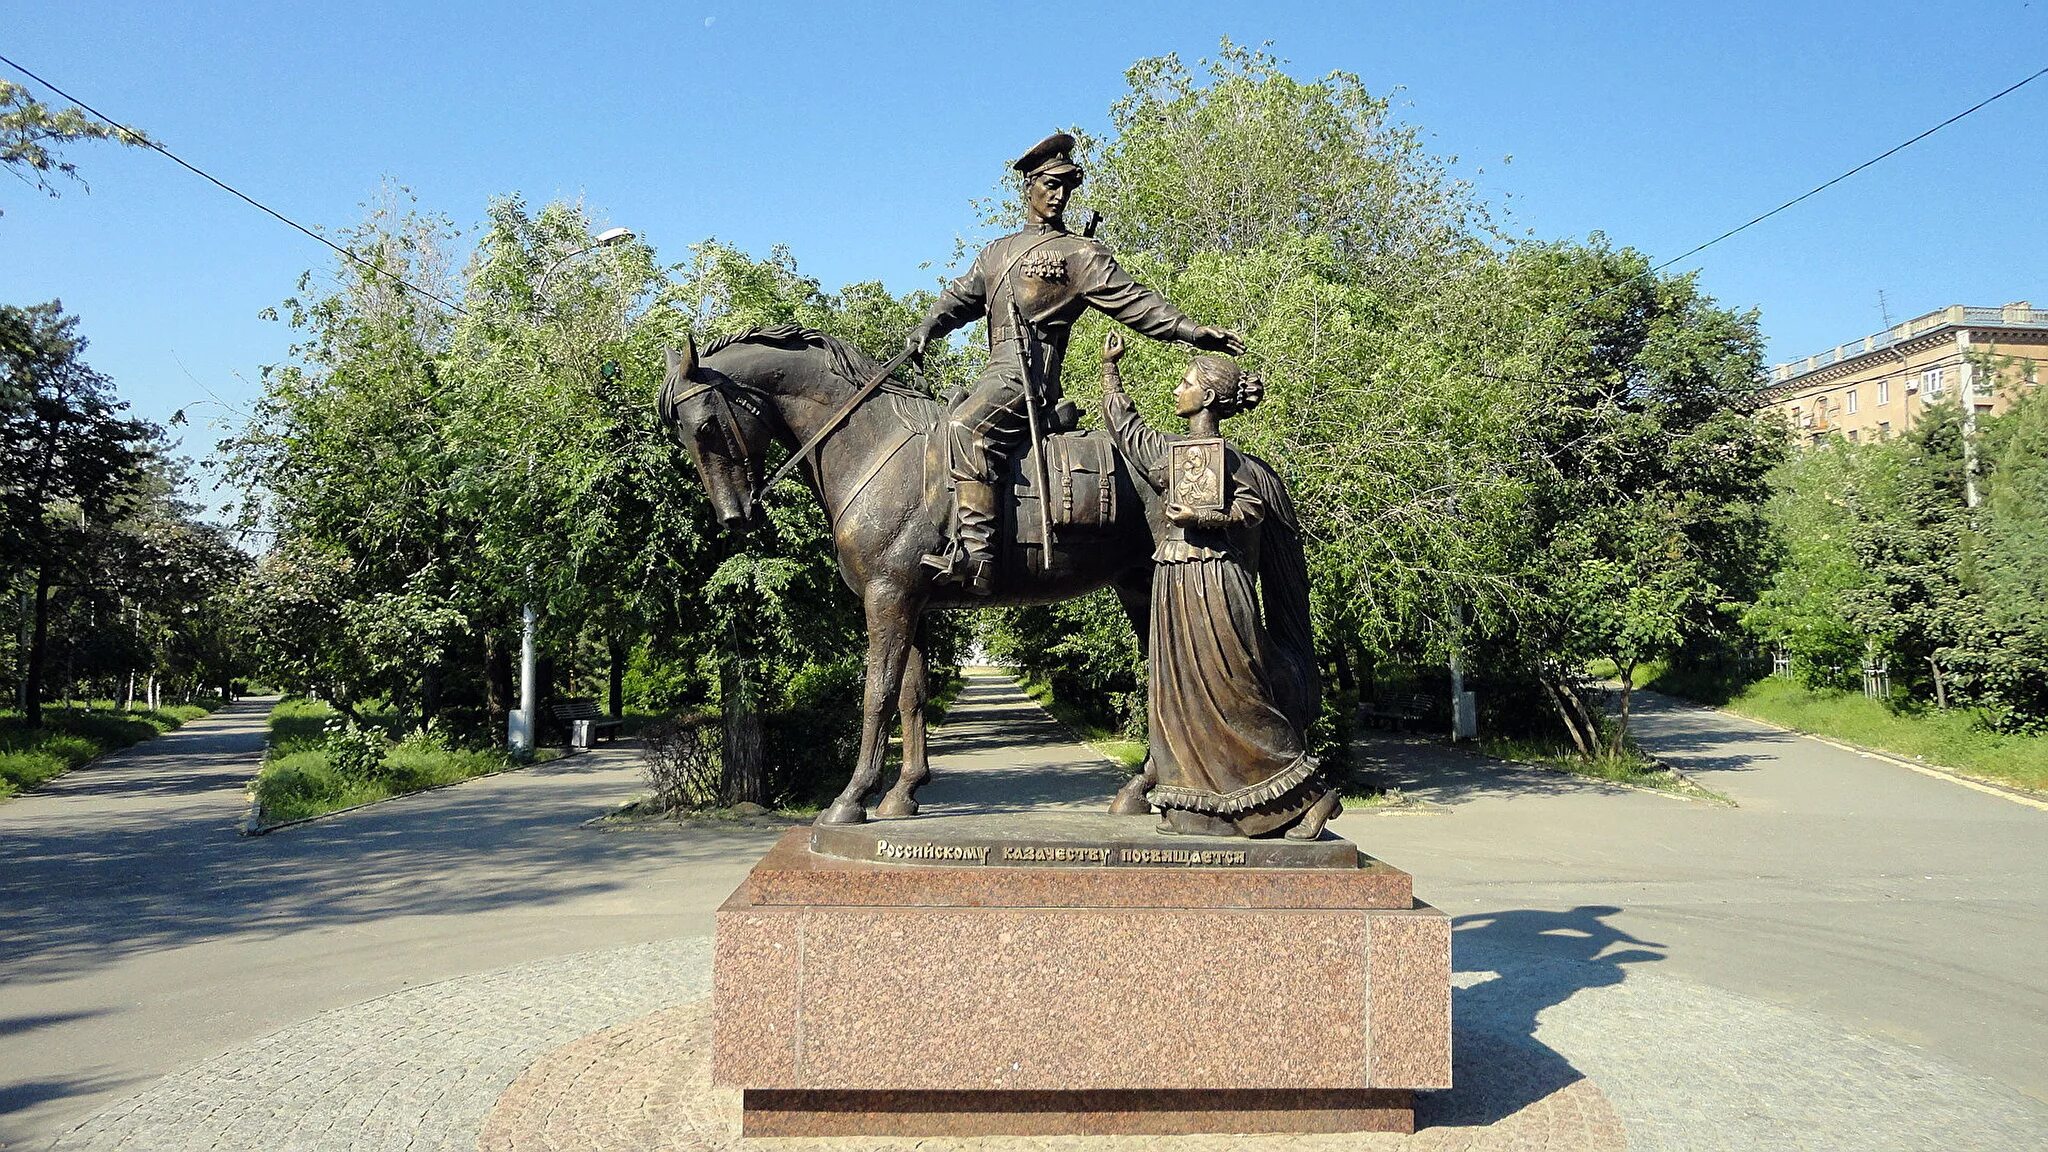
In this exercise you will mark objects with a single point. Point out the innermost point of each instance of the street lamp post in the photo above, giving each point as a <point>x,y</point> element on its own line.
<point>520,724</point>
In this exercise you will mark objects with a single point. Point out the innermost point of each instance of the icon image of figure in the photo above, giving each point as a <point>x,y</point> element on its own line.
<point>1199,483</point>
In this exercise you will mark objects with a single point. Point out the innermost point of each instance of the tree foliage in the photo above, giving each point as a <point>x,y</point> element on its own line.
<point>115,574</point>
<point>33,135</point>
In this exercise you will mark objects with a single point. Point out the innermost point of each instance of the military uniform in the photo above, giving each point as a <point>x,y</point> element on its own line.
<point>1031,286</point>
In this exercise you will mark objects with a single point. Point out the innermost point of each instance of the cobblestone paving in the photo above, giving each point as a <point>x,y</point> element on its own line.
<point>416,1070</point>
<point>608,1051</point>
<point>645,1086</point>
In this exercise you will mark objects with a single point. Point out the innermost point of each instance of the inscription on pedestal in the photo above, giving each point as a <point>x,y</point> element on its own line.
<point>1065,840</point>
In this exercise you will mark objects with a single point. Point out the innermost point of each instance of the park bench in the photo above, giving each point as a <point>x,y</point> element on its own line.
<point>570,709</point>
<point>1394,711</point>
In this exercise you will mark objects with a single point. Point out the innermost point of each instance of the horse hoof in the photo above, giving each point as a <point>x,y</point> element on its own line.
<point>892,806</point>
<point>843,813</point>
<point>1128,806</point>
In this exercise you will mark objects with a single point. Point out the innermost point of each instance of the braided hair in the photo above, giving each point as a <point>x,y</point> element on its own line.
<point>1235,389</point>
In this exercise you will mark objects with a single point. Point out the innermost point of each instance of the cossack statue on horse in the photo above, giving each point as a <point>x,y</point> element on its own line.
<point>1031,286</point>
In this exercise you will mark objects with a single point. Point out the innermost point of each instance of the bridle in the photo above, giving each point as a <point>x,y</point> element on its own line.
<point>756,403</point>
<point>735,435</point>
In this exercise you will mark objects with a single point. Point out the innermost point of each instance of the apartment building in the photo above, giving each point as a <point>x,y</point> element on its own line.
<point>1877,387</point>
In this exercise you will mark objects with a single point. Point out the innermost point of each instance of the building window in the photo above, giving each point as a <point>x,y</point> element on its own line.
<point>1930,382</point>
<point>1884,429</point>
<point>1852,400</point>
<point>1884,391</point>
<point>1852,436</point>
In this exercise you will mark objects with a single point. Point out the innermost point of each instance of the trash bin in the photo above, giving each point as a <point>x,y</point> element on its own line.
<point>579,733</point>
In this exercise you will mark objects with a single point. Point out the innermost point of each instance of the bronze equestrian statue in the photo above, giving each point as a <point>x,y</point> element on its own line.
<point>1030,286</point>
<point>881,458</point>
<point>871,473</point>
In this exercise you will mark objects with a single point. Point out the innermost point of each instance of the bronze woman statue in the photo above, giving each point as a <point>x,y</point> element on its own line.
<point>1233,690</point>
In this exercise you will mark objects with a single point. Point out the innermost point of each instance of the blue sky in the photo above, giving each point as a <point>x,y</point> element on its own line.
<point>859,137</point>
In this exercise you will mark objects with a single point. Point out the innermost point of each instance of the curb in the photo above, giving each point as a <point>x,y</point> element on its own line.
<point>1938,772</point>
<point>1708,796</point>
<point>251,822</point>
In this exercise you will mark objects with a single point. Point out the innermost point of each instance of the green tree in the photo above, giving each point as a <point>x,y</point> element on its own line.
<point>2009,656</point>
<point>33,135</point>
<point>70,465</point>
<point>1813,523</point>
<point>1648,475</point>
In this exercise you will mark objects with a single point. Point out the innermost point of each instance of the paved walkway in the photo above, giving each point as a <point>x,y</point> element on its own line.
<point>1835,964</point>
<point>141,935</point>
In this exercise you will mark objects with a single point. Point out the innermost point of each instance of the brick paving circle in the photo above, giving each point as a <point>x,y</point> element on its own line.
<point>645,1086</point>
<point>608,1051</point>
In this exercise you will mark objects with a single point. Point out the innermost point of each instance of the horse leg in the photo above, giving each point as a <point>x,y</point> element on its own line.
<point>892,624</point>
<point>902,799</point>
<point>1136,598</point>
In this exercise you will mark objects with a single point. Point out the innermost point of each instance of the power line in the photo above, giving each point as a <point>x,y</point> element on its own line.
<point>133,136</point>
<point>1819,188</point>
<point>1760,218</point>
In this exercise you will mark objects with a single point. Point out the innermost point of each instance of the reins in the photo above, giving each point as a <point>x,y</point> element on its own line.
<point>736,437</point>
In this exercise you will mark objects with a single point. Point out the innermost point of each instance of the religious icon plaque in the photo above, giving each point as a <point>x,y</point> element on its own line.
<point>1197,474</point>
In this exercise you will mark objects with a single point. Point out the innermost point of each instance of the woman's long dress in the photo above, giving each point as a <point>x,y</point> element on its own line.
<point>1222,743</point>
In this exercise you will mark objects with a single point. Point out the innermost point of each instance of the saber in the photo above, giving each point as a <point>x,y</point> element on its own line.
<point>1025,336</point>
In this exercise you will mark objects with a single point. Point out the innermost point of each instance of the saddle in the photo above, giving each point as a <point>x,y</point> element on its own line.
<point>1082,470</point>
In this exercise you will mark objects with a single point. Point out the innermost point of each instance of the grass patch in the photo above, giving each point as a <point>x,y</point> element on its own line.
<point>1373,801</point>
<point>1630,767</point>
<point>72,736</point>
<point>1955,739</point>
<point>1126,752</point>
<point>1605,669</point>
<point>309,771</point>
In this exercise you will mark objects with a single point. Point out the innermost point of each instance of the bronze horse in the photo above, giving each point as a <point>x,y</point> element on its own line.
<point>786,384</point>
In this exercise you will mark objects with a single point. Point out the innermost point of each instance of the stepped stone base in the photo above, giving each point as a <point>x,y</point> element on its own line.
<point>856,997</point>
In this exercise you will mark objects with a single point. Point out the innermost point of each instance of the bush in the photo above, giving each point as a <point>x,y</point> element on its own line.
<point>353,751</point>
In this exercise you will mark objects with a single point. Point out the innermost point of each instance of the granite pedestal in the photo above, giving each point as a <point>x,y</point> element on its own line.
<point>1047,974</point>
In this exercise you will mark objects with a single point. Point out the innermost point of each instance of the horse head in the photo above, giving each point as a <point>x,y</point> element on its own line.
<point>721,422</point>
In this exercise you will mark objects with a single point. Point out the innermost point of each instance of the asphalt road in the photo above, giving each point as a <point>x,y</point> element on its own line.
<point>141,935</point>
<point>1897,905</point>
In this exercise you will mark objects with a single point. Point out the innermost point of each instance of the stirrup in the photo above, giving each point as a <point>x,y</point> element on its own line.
<point>951,565</point>
<point>954,566</point>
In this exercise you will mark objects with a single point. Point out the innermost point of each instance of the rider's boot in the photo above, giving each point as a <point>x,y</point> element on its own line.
<point>977,535</point>
<point>971,559</point>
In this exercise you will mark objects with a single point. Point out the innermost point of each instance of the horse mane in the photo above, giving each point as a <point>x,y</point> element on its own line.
<point>848,361</point>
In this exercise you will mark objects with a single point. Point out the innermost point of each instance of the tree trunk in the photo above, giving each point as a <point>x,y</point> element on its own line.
<point>1572,711</point>
<point>1346,682</point>
<point>1940,685</point>
<point>1628,687</point>
<point>615,702</point>
<point>430,695</point>
<point>745,771</point>
<point>39,635</point>
<point>497,683</point>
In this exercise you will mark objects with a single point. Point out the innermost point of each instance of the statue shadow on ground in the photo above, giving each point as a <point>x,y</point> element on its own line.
<point>1510,967</point>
